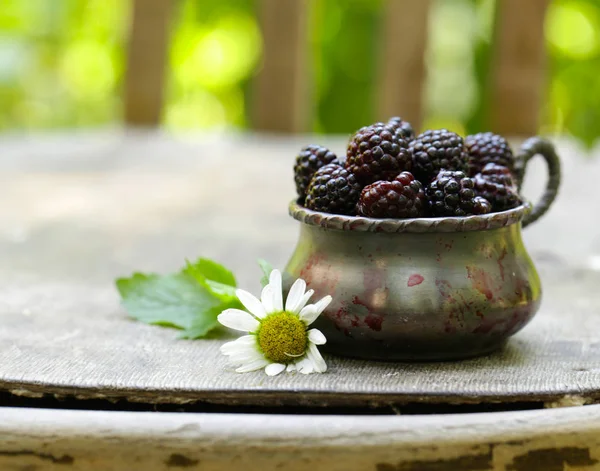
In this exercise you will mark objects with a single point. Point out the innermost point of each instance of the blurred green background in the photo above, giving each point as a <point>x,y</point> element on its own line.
<point>62,64</point>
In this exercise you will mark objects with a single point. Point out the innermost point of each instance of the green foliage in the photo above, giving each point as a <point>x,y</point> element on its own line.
<point>345,46</point>
<point>189,300</point>
<point>266,269</point>
<point>62,64</point>
<point>174,300</point>
<point>573,32</point>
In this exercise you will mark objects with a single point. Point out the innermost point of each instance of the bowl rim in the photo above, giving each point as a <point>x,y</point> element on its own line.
<point>344,223</point>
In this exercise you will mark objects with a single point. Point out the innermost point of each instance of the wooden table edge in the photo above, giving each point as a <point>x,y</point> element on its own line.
<point>50,439</point>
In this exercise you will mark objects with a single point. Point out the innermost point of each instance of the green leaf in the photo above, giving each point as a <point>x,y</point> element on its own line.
<point>212,271</point>
<point>172,300</point>
<point>203,324</point>
<point>213,276</point>
<point>266,268</point>
<point>208,321</point>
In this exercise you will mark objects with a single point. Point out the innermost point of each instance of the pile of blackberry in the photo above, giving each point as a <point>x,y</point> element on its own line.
<point>389,172</point>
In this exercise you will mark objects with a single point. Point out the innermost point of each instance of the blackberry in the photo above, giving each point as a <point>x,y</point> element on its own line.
<point>403,129</point>
<point>500,196</point>
<point>401,198</point>
<point>481,205</point>
<point>308,161</point>
<point>452,193</point>
<point>485,148</point>
<point>376,152</point>
<point>498,174</point>
<point>436,150</point>
<point>333,189</point>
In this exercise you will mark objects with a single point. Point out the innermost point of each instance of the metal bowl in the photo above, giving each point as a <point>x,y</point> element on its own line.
<point>427,288</point>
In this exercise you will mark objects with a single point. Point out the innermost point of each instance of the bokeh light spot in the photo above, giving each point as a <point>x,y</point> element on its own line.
<point>86,69</point>
<point>220,56</point>
<point>572,28</point>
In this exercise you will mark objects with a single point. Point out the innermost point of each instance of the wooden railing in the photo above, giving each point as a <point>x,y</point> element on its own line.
<point>281,100</point>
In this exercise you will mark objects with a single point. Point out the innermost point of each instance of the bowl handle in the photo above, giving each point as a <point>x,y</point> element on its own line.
<point>530,148</point>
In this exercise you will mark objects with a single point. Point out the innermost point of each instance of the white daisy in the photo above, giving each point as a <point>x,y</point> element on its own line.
<point>277,338</point>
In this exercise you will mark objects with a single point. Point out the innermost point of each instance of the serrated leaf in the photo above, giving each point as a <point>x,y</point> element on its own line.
<point>212,271</point>
<point>176,300</point>
<point>213,276</point>
<point>207,322</point>
<point>202,325</point>
<point>222,291</point>
<point>266,268</point>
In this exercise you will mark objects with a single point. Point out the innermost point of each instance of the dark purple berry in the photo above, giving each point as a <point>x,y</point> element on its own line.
<point>401,198</point>
<point>309,160</point>
<point>485,148</point>
<point>436,150</point>
<point>501,197</point>
<point>403,129</point>
<point>481,206</point>
<point>451,193</point>
<point>376,153</point>
<point>333,189</point>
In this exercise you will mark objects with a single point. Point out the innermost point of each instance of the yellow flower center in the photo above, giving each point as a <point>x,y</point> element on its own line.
<point>282,337</point>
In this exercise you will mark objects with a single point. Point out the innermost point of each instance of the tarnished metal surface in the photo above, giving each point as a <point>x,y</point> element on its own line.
<point>530,148</point>
<point>431,296</point>
<point>416,225</point>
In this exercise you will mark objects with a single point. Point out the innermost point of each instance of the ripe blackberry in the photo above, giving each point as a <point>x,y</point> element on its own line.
<point>498,174</point>
<point>481,205</point>
<point>401,198</point>
<point>436,150</point>
<point>333,189</point>
<point>308,161</point>
<point>485,148</point>
<point>452,193</point>
<point>376,152</point>
<point>402,128</point>
<point>500,196</point>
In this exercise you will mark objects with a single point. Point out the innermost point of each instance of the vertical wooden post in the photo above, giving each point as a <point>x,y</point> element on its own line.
<point>402,73</point>
<point>518,67</point>
<point>280,101</point>
<point>147,56</point>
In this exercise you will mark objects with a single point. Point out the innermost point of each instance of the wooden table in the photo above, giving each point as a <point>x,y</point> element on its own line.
<point>79,210</point>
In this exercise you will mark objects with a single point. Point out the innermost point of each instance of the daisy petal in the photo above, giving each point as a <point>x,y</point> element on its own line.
<point>253,366</point>
<point>305,366</point>
<point>243,358</point>
<point>275,283</point>
<point>309,314</point>
<point>274,369</point>
<point>243,355</point>
<point>322,304</point>
<point>251,303</point>
<point>238,320</point>
<point>295,295</point>
<point>304,300</point>
<point>316,337</point>
<point>238,344</point>
<point>291,367</point>
<point>315,357</point>
<point>266,298</point>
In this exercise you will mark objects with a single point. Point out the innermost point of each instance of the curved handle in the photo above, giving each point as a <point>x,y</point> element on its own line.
<point>530,148</point>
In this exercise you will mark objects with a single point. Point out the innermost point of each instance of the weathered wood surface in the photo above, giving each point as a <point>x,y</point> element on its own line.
<point>402,77</point>
<point>78,211</point>
<point>518,78</point>
<point>547,440</point>
<point>281,100</point>
<point>146,59</point>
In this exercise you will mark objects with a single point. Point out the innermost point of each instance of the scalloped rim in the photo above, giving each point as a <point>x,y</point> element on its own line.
<point>448,224</point>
